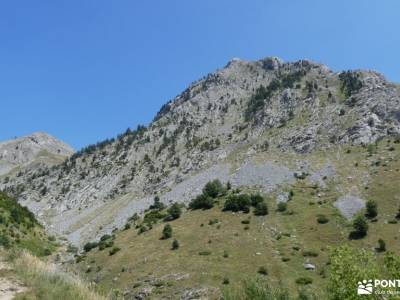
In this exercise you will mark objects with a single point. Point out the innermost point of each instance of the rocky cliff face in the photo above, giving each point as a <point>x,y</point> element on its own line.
<point>26,150</point>
<point>232,124</point>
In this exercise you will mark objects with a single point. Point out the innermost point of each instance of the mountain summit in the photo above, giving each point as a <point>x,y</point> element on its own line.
<point>23,151</point>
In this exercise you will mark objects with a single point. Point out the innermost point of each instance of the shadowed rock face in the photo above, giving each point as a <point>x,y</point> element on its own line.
<point>24,150</point>
<point>213,129</point>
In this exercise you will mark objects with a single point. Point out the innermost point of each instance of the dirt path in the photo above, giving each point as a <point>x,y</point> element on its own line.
<point>9,287</point>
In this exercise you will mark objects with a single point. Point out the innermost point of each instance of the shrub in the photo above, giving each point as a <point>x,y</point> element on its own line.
<point>157,204</point>
<point>213,189</point>
<point>142,229</point>
<point>4,241</point>
<point>174,211</point>
<point>282,206</point>
<point>322,219</point>
<point>106,244</point>
<point>350,82</point>
<point>262,271</point>
<point>381,245</point>
<point>261,209</point>
<point>225,281</point>
<point>398,214</point>
<point>167,232</point>
<point>226,254</point>
<point>246,222</point>
<point>360,226</point>
<point>310,253</point>
<point>213,221</point>
<point>304,280</point>
<point>372,209</point>
<point>175,245</point>
<point>114,250</point>
<point>256,199</point>
<point>89,246</point>
<point>202,202</point>
<point>152,217</point>
<point>238,203</point>
<point>46,252</point>
<point>205,253</point>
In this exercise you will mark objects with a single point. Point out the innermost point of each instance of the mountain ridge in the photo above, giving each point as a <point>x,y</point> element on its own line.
<point>236,121</point>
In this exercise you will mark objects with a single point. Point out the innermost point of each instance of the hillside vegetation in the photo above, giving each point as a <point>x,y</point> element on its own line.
<point>19,228</point>
<point>228,240</point>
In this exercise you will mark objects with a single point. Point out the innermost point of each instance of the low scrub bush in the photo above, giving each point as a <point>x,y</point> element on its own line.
<point>322,219</point>
<point>237,203</point>
<point>282,206</point>
<point>262,271</point>
<point>167,232</point>
<point>114,250</point>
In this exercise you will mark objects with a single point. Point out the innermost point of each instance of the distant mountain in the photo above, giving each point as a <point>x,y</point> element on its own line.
<point>258,124</point>
<point>37,147</point>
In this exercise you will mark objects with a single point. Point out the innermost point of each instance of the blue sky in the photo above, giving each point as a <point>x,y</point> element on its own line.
<point>85,70</point>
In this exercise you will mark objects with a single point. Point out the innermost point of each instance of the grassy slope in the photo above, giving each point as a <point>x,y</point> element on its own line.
<point>145,256</point>
<point>20,230</point>
<point>23,240</point>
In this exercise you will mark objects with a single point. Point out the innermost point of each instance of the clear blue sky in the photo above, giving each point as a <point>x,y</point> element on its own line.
<point>85,70</point>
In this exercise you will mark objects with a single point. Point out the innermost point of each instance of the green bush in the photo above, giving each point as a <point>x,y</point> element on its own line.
<point>174,211</point>
<point>114,250</point>
<point>238,203</point>
<point>202,202</point>
<point>372,209</point>
<point>322,219</point>
<point>157,204</point>
<point>350,82</point>
<point>89,246</point>
<point>213,189</point>
<point>4,241</point>
<point>213,221</point>
<point>310,253</point>
<point>262,270</point>
<point>175,245</point>
<point>167,232</point>
<point>256,199</point>
<point>261,209</point>
<point>106,244</point>
<point>205,253</point>
<point>153,216</point>
<point>360,226</point>
<point>381,245</point>
<point>282,206</point>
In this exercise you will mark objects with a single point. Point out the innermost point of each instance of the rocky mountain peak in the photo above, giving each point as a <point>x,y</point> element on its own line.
<point>24,150</point>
